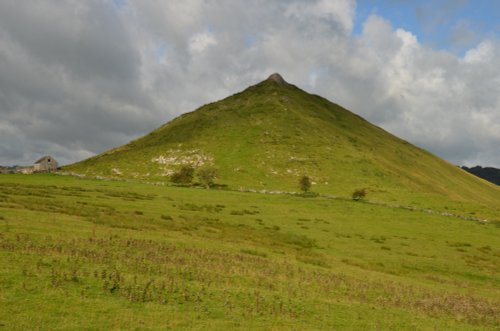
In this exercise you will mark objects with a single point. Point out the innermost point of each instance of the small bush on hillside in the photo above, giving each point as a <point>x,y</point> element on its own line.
<point>359,194</point>
<point>183,176</point>
<point>305,183</point>
<point>207,176</point>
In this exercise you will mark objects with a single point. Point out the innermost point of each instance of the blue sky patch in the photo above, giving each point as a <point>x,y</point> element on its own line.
<point>453,25</point>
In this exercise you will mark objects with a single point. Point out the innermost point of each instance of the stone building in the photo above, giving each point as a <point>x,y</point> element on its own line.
<point>45,164</point>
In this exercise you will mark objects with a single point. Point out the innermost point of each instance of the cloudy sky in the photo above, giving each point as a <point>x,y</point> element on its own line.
<point>80,77</point>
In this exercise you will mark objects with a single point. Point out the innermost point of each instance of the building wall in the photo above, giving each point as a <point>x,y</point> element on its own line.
<point>45,165</point>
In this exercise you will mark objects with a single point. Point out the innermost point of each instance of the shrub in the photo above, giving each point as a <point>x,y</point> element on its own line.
<point>305,183</point>
<point>359,194</point>
<point>183,176</point>
<point>207,176</point>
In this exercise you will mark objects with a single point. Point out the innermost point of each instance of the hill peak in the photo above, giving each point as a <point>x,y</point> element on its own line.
<point>276,77</point>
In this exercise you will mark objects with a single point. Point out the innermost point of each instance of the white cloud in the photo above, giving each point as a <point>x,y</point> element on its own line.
<point>444,103</point>
<point>77,78</point>
<point>484,52</point>
<point>200,41</point>
<point>340,12</point>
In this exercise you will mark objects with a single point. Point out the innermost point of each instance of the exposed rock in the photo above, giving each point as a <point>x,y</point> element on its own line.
<point>277,79</point>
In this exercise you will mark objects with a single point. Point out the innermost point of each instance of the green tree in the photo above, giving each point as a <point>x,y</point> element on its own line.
<point>305,183</point>
<point>359,194</point>
<point>183,176</point>
<point>208,175</point>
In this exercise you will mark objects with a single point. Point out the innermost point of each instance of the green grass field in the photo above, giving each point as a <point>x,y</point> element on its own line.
<point>88,254</point>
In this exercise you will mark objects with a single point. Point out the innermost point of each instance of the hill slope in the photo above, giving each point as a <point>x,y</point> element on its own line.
<point>270,134</point>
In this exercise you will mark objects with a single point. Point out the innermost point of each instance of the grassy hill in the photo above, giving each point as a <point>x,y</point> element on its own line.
<point>92,254</point>
<point>272,133</point>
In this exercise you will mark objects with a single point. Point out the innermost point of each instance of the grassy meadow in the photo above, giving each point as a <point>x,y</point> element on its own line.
<point>88,254</point>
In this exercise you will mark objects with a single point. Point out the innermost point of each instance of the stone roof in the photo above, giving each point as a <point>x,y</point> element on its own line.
<point>44,158</point>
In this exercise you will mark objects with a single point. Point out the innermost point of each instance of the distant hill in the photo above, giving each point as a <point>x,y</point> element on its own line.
<point>488,173</point>
<point>272,133</point>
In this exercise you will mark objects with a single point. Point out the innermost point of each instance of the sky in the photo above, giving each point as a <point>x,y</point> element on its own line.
<point>80,77</point>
